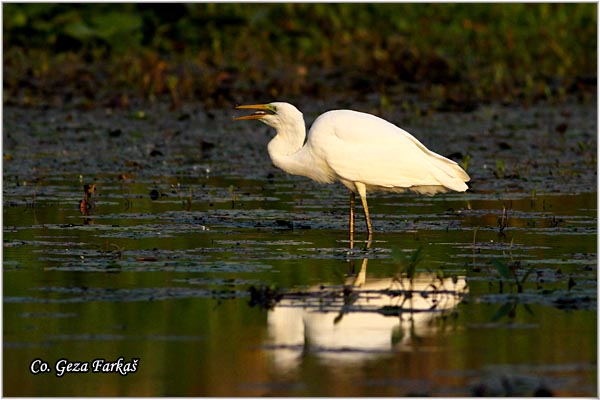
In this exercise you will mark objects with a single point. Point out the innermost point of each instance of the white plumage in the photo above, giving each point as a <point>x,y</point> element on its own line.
<point>364,152</point>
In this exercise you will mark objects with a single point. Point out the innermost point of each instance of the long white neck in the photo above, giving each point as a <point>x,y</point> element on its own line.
<point>289,139</point>
<point>288,152</point>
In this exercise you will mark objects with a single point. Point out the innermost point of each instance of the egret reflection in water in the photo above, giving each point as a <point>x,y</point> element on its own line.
<point>365,319</point>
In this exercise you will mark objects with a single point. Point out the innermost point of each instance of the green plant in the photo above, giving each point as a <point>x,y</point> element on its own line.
<point>408,265</point>
<point>464,163</point>
<point>503,221</point>
<point>500,169</point>
<point>509,273</point>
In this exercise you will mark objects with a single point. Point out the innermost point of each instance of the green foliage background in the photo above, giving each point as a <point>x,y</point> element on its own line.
<point>216,53</point>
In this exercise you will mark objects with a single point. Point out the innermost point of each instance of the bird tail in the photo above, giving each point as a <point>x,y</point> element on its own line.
<point>449,174</point>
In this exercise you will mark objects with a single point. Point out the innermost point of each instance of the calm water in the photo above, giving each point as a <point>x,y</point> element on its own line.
<point>445,301</point>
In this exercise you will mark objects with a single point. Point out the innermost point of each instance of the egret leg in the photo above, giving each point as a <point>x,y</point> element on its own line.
<point>362,191</point>
<point>352,201</point>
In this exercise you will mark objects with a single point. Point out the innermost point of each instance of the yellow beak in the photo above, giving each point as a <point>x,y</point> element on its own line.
<point>261,111</point>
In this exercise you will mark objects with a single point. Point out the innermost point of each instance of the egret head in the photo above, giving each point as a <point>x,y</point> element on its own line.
<point>276,115</point>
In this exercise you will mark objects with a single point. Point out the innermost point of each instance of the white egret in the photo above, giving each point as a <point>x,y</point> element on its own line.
<point>364,152</point>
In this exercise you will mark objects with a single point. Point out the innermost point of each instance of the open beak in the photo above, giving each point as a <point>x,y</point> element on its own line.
<point>261,110</point>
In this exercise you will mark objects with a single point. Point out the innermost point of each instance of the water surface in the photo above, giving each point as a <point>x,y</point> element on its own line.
<point>225,277</point>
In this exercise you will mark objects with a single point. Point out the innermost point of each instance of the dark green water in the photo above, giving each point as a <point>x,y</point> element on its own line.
<point>166,280</point>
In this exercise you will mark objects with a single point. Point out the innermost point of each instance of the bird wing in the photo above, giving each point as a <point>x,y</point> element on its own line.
<point>364,148</point>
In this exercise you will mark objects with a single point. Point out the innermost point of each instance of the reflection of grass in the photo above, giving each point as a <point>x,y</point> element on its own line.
<point>509,273</point>
<point>408,265</point>
<point>194,51</point>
